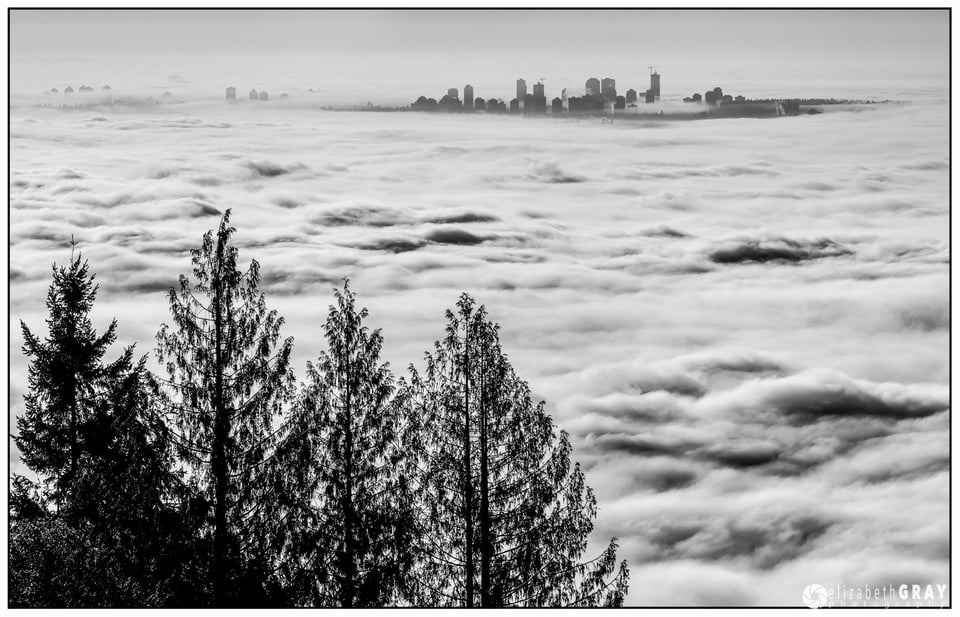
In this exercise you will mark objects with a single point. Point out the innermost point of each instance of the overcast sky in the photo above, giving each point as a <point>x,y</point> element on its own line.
<point>382,53</point>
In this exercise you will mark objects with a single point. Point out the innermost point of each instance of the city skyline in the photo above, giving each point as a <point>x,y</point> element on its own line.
<point>396,53</point>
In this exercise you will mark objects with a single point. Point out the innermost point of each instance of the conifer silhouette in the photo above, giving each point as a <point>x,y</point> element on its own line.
<point>505,518</point>
<point>228,376</point>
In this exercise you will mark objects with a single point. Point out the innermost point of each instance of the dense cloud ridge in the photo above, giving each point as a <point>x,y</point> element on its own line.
<point>742,323</point>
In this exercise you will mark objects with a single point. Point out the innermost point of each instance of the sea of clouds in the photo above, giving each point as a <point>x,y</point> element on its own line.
<point>742,323</point>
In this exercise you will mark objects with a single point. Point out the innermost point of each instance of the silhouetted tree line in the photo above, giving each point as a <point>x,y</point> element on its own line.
<point>219,482</point>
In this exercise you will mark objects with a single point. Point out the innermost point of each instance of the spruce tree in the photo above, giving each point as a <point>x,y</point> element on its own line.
<point>505,517</point>
<point>65,376</point>
<point>345,539</point>
<point>228,376</point>
<point>92,530</point>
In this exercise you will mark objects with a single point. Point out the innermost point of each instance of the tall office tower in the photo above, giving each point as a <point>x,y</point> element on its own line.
<point>556,105</point>
<point>253,95</point>
<point>231,94</point>
<point>631,96</point>
<point>608,88</point>
<point>515,106</point>
<point>655,84</point>
<point>521,89</point>
<point>452,93</point>
<point>479,104</point>
<point>264,96</point>
<point>539,99</point>
<point>593,87</point>
<point>468,97</point>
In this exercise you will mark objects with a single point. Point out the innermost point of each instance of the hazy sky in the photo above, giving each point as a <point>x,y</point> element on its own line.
<point>379,54</point>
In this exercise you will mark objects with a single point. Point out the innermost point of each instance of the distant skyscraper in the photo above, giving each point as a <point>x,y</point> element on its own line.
<point>515,106</point>
<point>521,89</point>
<point>593,87</point>
<point>264,96</point>
<point>231,94</point>
<point>556,105</point>
<point>608,88</point>
<point>478,104</point>
<point>655,84</point>
<point>253,95</point>
<point>631,96</point>
<point>452,93</point>
<point>538,100</point>
<point>650,97</point>
<point>468,97</point>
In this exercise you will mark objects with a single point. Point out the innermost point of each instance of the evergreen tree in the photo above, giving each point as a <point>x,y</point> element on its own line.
<point>346,538</point>
<point>228,377</point>
<point>64,375</point>
<point>91,531</point>
<point>505,518</point>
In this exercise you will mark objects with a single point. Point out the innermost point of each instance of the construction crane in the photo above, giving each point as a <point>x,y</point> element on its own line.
<point>652,69</point>
<point>541,79</point>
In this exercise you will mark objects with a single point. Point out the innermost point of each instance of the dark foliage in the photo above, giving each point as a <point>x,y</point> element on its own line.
<point>228,376</point>
<point>220,485</point>
<point>345,534</point>
<point>505,518</point>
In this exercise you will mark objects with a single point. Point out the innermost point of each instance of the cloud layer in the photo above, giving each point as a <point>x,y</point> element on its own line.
<point>743,324</point>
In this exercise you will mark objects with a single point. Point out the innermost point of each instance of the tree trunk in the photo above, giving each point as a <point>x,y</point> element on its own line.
<point>221,431</point>
<point>467,477</point>
<point>348,586</point>
<point>486,550</point>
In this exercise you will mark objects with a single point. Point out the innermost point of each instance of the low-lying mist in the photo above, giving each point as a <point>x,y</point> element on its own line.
<point>743,323</point>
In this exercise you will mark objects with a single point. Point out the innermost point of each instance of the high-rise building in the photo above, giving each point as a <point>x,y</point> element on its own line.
<point>593,87</point>
<point>556,105</point>
<point>608,88</point>
<point>650,96</point>
<point>521,89</point>
<point>253,95</point>
<point>478,104</point>
<point>655,84</point>
<point>468,97</point>
<point>536,103</point>
<point>264,96</point>
<point>631,96</point>
<point>452,93</point>
<point>515,106</point>
<point>231,94</point>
